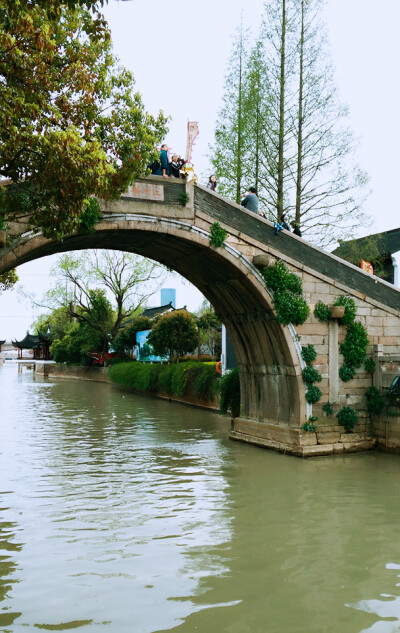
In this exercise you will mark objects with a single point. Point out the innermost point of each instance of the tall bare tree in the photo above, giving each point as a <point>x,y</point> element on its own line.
<point>330,187</point>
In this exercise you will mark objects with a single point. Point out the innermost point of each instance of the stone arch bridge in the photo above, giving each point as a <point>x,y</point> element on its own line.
<point>151,220</point>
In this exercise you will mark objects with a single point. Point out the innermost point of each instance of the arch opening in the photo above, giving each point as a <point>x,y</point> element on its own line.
<point>272,390</point>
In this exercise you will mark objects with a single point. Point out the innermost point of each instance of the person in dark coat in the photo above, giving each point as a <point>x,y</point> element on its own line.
<point>250,202</point>
<point>284,223</point>
<point>163,170</point>
<point>175,165</point>
<point>296,228</point>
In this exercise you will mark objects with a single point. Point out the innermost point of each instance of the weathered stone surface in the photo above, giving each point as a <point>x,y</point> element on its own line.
<point>362,445</point>
<point>308,439</point>
<point>318,450</point>
<point>327,438</point>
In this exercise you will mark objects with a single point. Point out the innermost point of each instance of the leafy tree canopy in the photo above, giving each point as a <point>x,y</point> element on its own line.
<point>175,333</point>
<point>72,125</point>
<point>127,279</point>
<point>8,280</point>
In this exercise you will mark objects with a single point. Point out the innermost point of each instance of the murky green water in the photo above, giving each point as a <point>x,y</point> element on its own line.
<point>126,514</point>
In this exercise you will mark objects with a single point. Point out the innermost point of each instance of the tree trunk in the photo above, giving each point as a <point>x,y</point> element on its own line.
<point>281,115</point>
<point>300,121</point>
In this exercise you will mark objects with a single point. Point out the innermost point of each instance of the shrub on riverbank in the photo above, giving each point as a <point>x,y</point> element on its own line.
<point>177,379</point>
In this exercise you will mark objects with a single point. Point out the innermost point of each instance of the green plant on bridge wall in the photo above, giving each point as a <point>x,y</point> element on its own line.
<point>322,311</point>
<point>183,198</point>
<point>287,288</point>
<point>347,417</point>
<point>310,374</point>
<point>375,401</point>
<point>217,235</point>
<point>90,216</point>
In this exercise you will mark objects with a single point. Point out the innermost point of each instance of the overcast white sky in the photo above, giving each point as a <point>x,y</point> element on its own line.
<point>179,53</point>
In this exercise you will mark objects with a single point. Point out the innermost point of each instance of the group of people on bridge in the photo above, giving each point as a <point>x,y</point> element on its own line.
<point>164,167</point>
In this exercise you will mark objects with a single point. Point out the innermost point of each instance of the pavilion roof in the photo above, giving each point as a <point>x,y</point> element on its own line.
<point>31,341</point>
<point>150,312</point>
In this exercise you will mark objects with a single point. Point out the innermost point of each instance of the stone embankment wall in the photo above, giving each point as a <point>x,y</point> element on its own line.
<point>96,374</point>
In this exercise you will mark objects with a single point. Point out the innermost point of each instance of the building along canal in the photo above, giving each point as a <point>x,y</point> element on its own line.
<point>130,514</point>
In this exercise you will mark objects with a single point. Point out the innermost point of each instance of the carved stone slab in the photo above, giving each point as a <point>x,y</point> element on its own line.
<point>145,191</point>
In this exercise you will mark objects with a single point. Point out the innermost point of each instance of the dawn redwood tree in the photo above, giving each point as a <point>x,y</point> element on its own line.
<point>231,140</point>
<point>299,148</point>
<point>330,187</point>
<point>72,124</point>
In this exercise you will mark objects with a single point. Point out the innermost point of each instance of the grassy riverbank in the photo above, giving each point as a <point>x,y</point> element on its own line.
<point>190,379</point>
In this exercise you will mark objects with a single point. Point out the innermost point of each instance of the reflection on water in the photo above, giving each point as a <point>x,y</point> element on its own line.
<point>387,608</point>
<point>136,515</point>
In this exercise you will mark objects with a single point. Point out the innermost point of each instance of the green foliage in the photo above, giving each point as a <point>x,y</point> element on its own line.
<point>350,309</point>
<point>322,311</point>
<point>327,408</point>
<point>347,417</point>
<point>355,344</point>
<point>311,375</point>
<point>313,394</point>
<point>308,353</point>
<point>369,248</point>
<point>287,287</point>
<point>8,280</point>
<point>231,133</point>
<point>310,424</point>
<point>175,379</point>
<point>90,216</point>
<point>346,372</point>
<point>217,235</point>
<point>77,340</point>
<point>369,365</point>
<point>175,333</point>
<point>73,340</point>
<point>229,388</point>
<point>209,325</point>
<point>72,124</point>
<point>375,401</point>
<point>290,308</point>
<point>205,382</point>
<point>281,126</point>
<point>183,198</point>
<point>278,278</point>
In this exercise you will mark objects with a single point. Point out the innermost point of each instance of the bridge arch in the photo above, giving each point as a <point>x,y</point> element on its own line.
<point>272,389</point>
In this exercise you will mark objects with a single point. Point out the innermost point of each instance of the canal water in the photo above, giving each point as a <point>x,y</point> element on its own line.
<point>121,514</point>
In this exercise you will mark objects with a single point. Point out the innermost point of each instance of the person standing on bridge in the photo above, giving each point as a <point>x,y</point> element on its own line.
<point>284,223</point>
<point>296,228</point>
<point>212,182</point>
<point>163,170</point>
<point>176,165</point>
<point>250,202</point>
